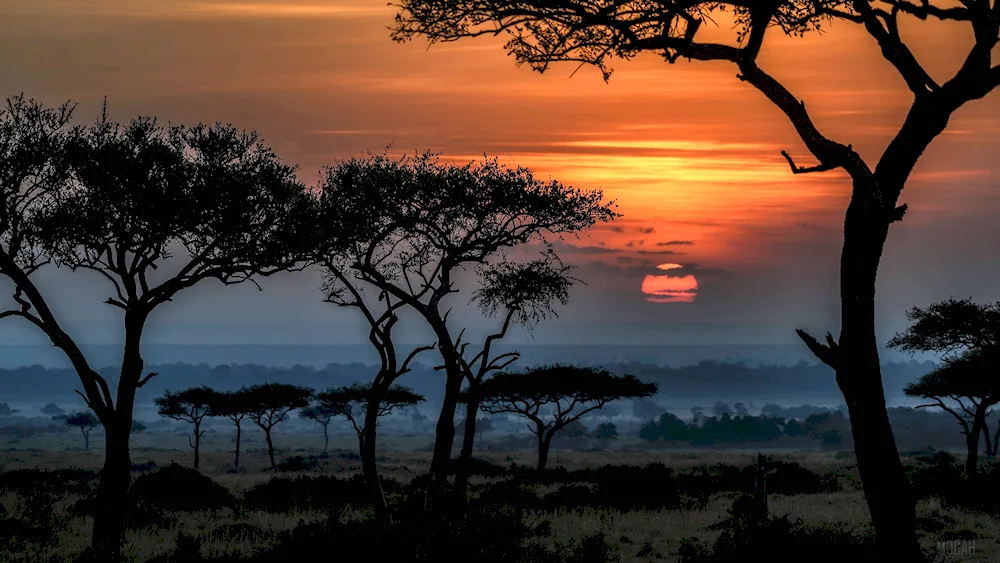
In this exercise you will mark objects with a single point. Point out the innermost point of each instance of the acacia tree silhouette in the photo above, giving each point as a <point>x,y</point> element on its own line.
<point>234,405</point>
<point>417,222</point>
<point>593,31</point>
<point>971,376</point>
<point>567,392</point>
<point>527,291</point>
<point>320,415</point>
<point>191,406</point>
<point>268,404</point>
<point>372,402</point>
<point>85,421</point>
<point>967,334</point>
<point>118,200</point>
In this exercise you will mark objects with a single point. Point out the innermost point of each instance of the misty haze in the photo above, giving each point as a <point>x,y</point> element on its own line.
<point>537,282</point>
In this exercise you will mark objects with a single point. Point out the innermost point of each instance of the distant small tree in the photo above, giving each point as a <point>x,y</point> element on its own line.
<point>646,409</point>
<point>575,429</point>
<point>321,415</point>
<point>52,410</point>
<point>967,335</point>
<point>191,406</point>
<point>351,402</point>
<point>5,410</point>
<point>138,426</point>
<point>269,404</point>
<point>570,391</point>
<point>234,405</point>
<point>85,421</point>
<point>968,383</point>
<point>606,432</point>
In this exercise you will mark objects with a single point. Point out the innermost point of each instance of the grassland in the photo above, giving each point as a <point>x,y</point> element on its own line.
<point>634,535</point>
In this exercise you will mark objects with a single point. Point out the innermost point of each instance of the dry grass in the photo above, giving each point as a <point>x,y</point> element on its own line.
<point>646,532</point>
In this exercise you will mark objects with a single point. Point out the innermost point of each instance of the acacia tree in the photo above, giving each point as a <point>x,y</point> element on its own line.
<point>967,335</point>
<point>968,381</point>
<point>566,392</point>
<point>234,405</point>
<point>5,410</point>
<point>191,406</point>
<point>119,201</point>
<point>85,421</point>
<point>594,31</point>
<point>527,293</point>
<point>320,415</point>
<point>268,404</point>
<point>423,221</point>
<point>362,405</point>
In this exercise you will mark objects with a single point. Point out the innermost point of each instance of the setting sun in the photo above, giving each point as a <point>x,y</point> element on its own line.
<point>661,288</point>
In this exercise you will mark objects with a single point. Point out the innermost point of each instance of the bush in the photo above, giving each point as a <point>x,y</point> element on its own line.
<point>301,464</point>
<point>179,488</point>
<point>479,467</point>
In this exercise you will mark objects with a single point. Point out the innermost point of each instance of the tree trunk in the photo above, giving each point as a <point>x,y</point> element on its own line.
<point>270,447</point>
<point>465,458</point>
<point>368,462</point>
<point>445,435</point>
<point>326,438</point>
<point>197,443</point>
<point>887,490</point>
<point>86,440</point>
<point>236,463</point>
<point>543,447</point>
<point>972,439</point>
<point>116,477</point>
<point>112,493</point>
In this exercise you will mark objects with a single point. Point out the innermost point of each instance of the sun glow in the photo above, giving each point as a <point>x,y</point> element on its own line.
<point>669,289</point>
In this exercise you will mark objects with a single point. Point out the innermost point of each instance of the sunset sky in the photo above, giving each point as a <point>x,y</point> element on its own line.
<point>748,251</point>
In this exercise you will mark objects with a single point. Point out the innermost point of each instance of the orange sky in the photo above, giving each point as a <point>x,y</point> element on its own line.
<point>691,154</point>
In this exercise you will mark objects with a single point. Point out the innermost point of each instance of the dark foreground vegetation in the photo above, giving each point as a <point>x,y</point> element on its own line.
<point>515,512</point>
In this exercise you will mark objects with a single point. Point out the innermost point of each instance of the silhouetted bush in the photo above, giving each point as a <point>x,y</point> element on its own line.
<point>141,467</point>
<point>179,488</point>
<point>299,463</point>
<point>59,482</point>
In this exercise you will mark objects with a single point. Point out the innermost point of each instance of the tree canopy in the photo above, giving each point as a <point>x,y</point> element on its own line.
<point>950,326</point>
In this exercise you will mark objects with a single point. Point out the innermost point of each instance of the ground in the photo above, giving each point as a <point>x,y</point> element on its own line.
<point>638,535</point>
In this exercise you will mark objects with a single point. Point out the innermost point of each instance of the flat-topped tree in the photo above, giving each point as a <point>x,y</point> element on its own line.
<point>362,405</point>
<point>268,405</point>
<point>965,386</point>
<point>525,293</point>
<point>320,415</point>
<point>191,406</point>
<point>593,32</point>
<point>967,336</point>
<point>553,397</point>
<point>120,201</point>
<point>85,421</point>
<point>5,410</point>
<point>234,405</point>
<point>420,221</point>
<point>52,409</point>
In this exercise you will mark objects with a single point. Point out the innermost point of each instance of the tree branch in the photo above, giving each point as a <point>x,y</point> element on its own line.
<point>826,353</point>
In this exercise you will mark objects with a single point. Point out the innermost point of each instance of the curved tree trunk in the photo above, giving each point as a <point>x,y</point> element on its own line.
<point>887,489</point>
<point>197,443</point>
<point>368,462</point>
<point>465,458</point>
<point>270,447</point>
<point>445,432</point>
<point>236,462</point>
<point>326,437</point>
<point>544,441</point>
